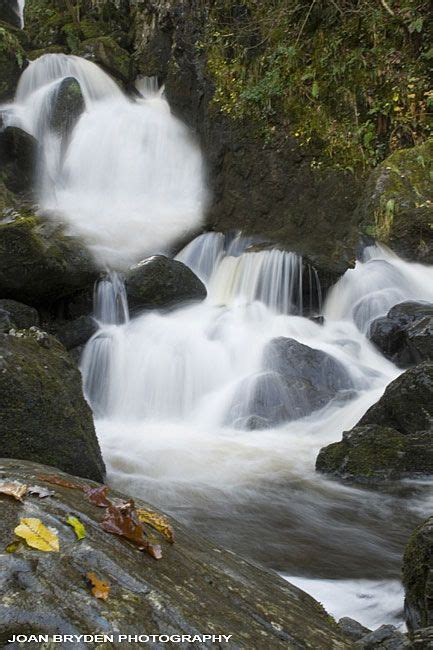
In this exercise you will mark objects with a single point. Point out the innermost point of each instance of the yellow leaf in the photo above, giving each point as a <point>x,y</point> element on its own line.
<point>78,527</point>
<point>37,535</point>
<point>13,546</point>
<point>100,589</point>
<point>158,522</point>
<point>15,490</point>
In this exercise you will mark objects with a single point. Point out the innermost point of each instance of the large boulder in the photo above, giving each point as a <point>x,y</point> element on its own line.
<point>10,13</point>
<point>295,381</point>
<point>12,63</point>
<point>106,52</point>
<point>74,333</point>
<point>418,577</point>
<point>67,106</point>
<point>195,589</point>
<point>18,315</point>
<point>45,417</point>
<point>397,206</point>
<point>393,439</point>
<point>40,262</point>
<point>158,282</point>
<point>18,153</point>
<point>405,334</point>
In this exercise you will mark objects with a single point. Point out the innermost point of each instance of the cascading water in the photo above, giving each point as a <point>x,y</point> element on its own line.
<point>172,392</point>
<point>131,180</point>
<point>163,386</point>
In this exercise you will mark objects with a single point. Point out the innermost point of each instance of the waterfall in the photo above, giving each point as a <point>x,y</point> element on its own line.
<point>21,4</point>
<point>130,181</point>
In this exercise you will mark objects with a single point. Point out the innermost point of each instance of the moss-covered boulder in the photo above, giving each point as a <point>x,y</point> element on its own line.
<point>40,262</point>
<point>20,316</point>
<point>394,439</point>
<point>68,106</point>
<point>397,206</point>
<point>45,417</point>
<point>195,589</point>
<point>9,12</point>
<point>418,578</point>
<point>12,63</point>
<point>158,282</point>
<point>106,52</point>
<point>18,155</point>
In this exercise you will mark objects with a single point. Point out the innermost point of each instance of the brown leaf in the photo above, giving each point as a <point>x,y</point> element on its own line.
<point>123,521</point>
<point>40,492</point>
<point>98,496</point>
<point>158,522</point>
<point>15,490</point>
<point>57,480</point>
<point>100,588</point>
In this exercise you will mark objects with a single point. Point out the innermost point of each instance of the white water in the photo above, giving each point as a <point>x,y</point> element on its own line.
<point>131,179</point>
<point>21,4</point>
<point>162,386</point>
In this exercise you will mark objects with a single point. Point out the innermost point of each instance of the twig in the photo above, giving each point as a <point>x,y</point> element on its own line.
<point>305,21</point>
<point>386,6</point>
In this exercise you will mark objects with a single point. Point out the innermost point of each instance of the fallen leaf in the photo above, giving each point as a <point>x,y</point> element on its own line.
<point>13,546</point>
<point>78,527</point>
<point>123,521</point>
<point>15,490</point>
<point>57,480</point>
<point>98,496</point>
<point>37,535</point>
<point>40,492</point>
<point>158,522</point>
<point>100,588</point>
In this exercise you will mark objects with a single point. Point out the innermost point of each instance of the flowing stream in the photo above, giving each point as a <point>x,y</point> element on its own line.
<point>172,390</point>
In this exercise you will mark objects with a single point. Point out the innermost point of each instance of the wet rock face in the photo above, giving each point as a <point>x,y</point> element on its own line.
<point>20,316</point>
<point>40,264</point>
<point>44,414</point>
<point>393,439</point>
<point>9,12</point>
<point>296,380</point>
<point>159,282</point>
<point>12,61</point>
<point>405,335</point>
<point>418,579</point>
<point>18,154</point>
<point>195,588</point>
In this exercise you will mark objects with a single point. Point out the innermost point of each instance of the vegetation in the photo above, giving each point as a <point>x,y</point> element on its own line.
<point>348,78</point>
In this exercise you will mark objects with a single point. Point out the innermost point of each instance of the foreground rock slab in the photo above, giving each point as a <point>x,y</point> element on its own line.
<point>418,578</point>
<point>196,588</point>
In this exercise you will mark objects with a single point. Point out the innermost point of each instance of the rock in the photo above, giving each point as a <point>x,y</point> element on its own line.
<point>159,282</point>
<point>76,333</point>
<point>418,577</point>
<point>405,334</point>
<point>352,629</point>
<point>294,361</point>
<point>394,437</point>
<point>386,636</point>
<point>397,206</point>
<point>196,588</point>
<point>296,380</point>
<point>12,62</point>
<point>423,638</point>
<point>18,154</point>
<point>44,414</point>
<point>9,12</point>
<point>68,105</point>
<point>40,263</point>
<point>21,316</point>
<point>104,51</point>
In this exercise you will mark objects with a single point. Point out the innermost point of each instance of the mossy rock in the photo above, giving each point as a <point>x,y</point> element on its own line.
<point>20,316</point>
<point>12,63</point>
<point>106,52</point>
<point>45,417</point>
<point>397,207</point>
<point>40,262</point>
<point>18,157</point>
<point>393,439</point>
<point>195,589</point>
<point>418,577</point>
<point>9,12</point>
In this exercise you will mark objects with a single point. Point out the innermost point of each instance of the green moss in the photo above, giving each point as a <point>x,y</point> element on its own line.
<point>12,59</point>
<point>353,84</point>
<point>416,569</point>
<point>108,53</point>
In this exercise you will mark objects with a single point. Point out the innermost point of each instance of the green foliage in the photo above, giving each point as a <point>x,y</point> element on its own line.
<point>349,78</point>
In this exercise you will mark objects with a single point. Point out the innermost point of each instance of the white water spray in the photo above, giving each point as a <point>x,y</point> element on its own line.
<point>131,180</point>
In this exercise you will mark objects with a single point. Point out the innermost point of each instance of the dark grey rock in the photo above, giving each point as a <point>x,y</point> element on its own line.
<point>76,333</point>
<point>18,155</point>
<point>159,282</point>
<point>386,636</point>
<point>21,316</point>
<point>196,588</point>
<point>352,629</point>
<point>418,577</point>
<point>9,12</point>
<point>44,414</point>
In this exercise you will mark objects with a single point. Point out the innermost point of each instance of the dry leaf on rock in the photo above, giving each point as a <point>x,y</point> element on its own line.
<point>37,535</point>
<point>100,588</point>
<point>58,480</point>
<point>78,527</point>
<point>123,521</point>
<point>158,522</point>
<point>13,546</point>
<point>40,492</point>
<point>98,496</point>
<point>15,490</point>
